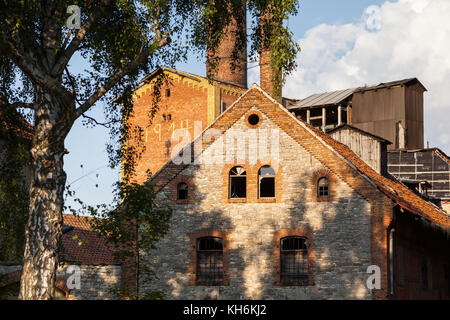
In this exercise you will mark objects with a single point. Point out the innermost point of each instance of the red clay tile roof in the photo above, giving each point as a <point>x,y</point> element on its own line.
<point>394,189</point>
<point>391,187</point>
<point>83,245</point>
<point>19,126</point>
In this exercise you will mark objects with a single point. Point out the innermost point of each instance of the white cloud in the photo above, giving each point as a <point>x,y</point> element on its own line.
<point>412,40</point>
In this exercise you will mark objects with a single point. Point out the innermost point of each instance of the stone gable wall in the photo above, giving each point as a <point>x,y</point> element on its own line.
<point>341,230</point>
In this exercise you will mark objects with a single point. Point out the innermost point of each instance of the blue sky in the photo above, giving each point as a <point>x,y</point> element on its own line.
<point>340,49</point>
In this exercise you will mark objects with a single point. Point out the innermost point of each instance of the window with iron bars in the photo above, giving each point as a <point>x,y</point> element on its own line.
<point>293,261</point>
<point>322,187</point>
<point>210,270</point>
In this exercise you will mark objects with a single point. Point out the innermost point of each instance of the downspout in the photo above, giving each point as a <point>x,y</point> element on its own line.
<point>391,261</point>
<point>391,232</point>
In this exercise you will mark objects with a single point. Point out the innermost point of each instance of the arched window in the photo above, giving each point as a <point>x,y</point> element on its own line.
<point>182,191</point>
<point>293,261</point>
<point>210,270</point>
<point>266,178</point>
<point>238,183</point>
<point>323,187</point>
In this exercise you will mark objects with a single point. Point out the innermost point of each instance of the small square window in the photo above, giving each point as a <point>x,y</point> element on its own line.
<point>167,92</point>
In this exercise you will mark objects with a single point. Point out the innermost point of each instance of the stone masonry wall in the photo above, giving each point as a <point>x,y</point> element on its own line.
<point>96,280</point>
<point>340,229</point>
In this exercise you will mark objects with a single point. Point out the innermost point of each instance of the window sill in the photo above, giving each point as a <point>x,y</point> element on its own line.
<point>184,201</point>
<point>237,200</point>
<point>267,200</point>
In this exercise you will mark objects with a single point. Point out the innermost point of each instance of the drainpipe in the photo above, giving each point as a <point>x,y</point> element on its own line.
<point>391,261</point>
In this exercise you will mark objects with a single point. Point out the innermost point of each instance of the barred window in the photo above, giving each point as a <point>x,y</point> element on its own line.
<point>182,191</point>
<point>210,269</point>
<point>266,177</point>
<point>322,187</point>
<point>238,183</point>
<point>294,261</point>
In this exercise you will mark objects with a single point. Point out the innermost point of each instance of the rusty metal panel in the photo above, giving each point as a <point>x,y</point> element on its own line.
<point>382,108</point>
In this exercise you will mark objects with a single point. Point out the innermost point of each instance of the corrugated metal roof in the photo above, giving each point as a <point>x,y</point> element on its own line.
<point>323,99</point>
<point>392,84</point>
<point>335,97</point>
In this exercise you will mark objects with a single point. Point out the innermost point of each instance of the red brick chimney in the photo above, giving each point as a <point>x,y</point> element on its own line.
<point>224,70</point>
<point>267,74</point>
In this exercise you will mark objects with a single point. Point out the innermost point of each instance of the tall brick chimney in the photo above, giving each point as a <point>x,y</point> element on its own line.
<point>224,51</point>
<point>267,74</point>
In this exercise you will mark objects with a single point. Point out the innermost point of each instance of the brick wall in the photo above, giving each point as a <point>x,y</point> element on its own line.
<point>341,229</point>
<point>187,103</point>
<point>223,54</point>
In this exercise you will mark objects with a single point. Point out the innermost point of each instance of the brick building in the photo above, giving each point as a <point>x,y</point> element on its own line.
<point>304,221</point>
<point>288,199</point>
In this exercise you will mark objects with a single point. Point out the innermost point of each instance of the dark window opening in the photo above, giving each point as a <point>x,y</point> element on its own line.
<point>182,191</point>
<point>253,119</point>
<point>266,177</point>
<point>293,261</point>
<point>238,183</point>
<point>167,92</point>
<point>223,106</point>
<point>210,269</point>
<point>322,187</point>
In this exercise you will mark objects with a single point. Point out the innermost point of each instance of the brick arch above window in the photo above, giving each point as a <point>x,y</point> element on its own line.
<point>305,233</point>
<point>226,183</point>
<point>278,180</point>
<point>174,189</point>
<point>202,233</point>
<point>314,182</point>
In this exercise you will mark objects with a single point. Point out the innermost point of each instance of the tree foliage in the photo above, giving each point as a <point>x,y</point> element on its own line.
<point>14,196</point>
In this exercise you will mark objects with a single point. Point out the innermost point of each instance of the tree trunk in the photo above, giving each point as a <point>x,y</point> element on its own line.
<point>48,180</point>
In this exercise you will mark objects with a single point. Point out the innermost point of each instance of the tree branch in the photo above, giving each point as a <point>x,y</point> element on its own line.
<point>159,42</point>
<point>67,53</point>
<point>30,64</point>
<point>104,124</point>
<point>16,105</point>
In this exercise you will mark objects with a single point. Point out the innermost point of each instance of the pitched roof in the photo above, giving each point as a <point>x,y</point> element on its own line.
<point>82,244</point>
<point>307,136</point>
<point>323,99</point>
<point>345,126</point>
<point>336,97</point>
<point>407,82</point>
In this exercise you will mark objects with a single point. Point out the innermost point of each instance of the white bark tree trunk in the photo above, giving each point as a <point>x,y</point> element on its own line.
<point>48,180</point>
